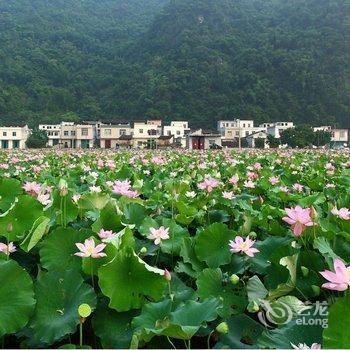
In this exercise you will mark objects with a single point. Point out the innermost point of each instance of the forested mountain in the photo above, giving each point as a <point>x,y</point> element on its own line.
<point>200,60</point>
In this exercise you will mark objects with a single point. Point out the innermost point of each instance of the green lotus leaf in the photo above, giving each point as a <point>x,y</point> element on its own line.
<point>63,210</point>
<point>180,323</point>
<point>177,234</point>
<point>243,333</point>
<point>58,248</point>
<point>59,295</point>
<point>128,281</point>
<point>336,335</point>
<point>134,214</point>
<point>212,245</point>
<point>16,297</point>
<point>40,227</point>
<point>93,200</point>
<point>256,289</point>
<point>113,328</point>
<point>20,217</point>
<point>210,284</point>
<point>108,219</point>
<point>9,190</point>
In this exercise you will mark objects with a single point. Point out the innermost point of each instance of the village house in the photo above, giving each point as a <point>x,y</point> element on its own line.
<point>257,135</point>
<point>53,132</point>
<point>275,129</point>
<point>110,135</point>
<point>203,140</point>
<point>146,133</point>
<point>14,137</point>
<point>179,130</point>
<point>340,137</point>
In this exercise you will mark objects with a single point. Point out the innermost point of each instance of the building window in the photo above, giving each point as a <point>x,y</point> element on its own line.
<point>14,133</point>
<point>237,133</point>
<point>247,133</point>
<point>227,124</point>
<point>4,133</point>
<point>141,131</point>
<point>243,125</point>
<point>122,132</point>
<point>342,134</point>
<point>72,133</point>
<point>169,132</point>
<point>15,143</point>
<point>178,132</point>
<point>65,133</point>
<point>84,131</point>
<point>108,132</point>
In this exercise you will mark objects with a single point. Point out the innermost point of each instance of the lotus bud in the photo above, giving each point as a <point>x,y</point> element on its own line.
<point>84,311</point>
<point>9,227</point>
<point>316,290</point>
<point>167,275</point>
<point>313,213</point>
<point>305,271</point>
<point>253,306</point>
<point>143,250</point>
<point>63,187</point>
<point>222,328</point>
<point>234,279</point>
<point>252,234</point>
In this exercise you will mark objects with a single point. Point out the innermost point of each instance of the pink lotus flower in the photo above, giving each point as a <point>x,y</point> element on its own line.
<point>106,235</point>
<point>90,249</point>
<point>274,180</point>
<point>249,184</point>
<point>284,189</point>
<point>32,188</point>
<point>208,184</point>
<point>257,166</point>
<point>338,280</point>
<point>243,246</point>
<point>44,199</point>
<point>157,235</point>
<point>233,180</point>
<point>123,188</point>
<point>227,195</point>
<point>342,213</point>
<point>7,249</point>
<point>298,187</point>
<point>298,218</point>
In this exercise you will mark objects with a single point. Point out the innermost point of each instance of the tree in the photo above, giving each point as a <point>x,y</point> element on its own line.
<point>259,143</point>
<point>273,142</point>
<point>37,139</point>
<point>322,138</point>
<point>301,136</point>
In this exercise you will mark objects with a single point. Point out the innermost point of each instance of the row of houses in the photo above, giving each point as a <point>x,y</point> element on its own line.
<point>152,134</point>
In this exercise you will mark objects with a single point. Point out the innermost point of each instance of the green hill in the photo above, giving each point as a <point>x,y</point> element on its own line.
<point>200,60</point>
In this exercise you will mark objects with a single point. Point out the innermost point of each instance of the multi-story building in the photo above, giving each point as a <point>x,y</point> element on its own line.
<point>235,125</point>
<point>177,129</point>
<point>146,133</point>
<point>13,137</point>
<point>275,129</point>
<point>53,132</point>
<point>340,137</point>
<point>76,135</point>
<point>113,136</point>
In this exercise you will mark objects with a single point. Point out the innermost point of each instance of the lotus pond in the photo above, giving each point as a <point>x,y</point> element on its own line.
<point>175,249</point>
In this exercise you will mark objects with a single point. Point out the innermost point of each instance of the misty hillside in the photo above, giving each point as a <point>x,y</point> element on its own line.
<point>200,60</point>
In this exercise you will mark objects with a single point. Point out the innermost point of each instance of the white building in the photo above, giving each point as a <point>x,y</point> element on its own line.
<point>13,137</point>
<point>239,124</point>
<point>177,129</point>
<point>146,133</point>
<point>340,137</point>
<point>257,135</point>
<point>53,132</point>
<point>275,129</point>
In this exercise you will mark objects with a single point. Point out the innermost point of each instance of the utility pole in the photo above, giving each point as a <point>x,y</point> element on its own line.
<point>239,131</point>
